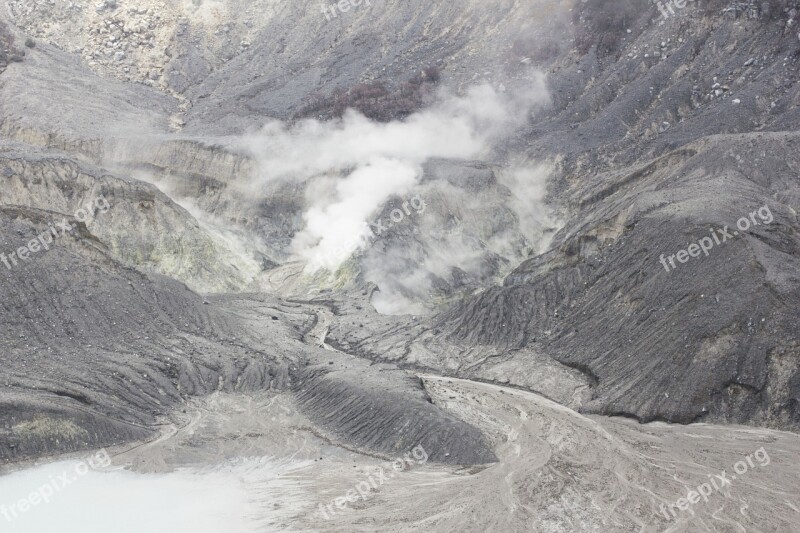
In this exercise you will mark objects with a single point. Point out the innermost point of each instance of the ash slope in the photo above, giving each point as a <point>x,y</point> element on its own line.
<point>715,338</point>
<point>96,353</point>
<point>685,127</point>
<point>79,375</point>
<point>681,127</point>
<point>650,156</point>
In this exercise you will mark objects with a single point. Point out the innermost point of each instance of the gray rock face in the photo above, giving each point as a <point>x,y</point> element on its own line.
<point>388,411</point>
<point>95,352</point>
<point>142,227</point>
<point>710,339</point>
<point>381,41</point>
<point>9,51</point>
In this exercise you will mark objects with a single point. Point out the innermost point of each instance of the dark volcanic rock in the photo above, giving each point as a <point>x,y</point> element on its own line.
<point>94,352</point>
<point>386,410</point>
<point>716,337</point>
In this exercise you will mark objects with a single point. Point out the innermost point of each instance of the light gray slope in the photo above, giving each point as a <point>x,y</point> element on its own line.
<point>142,227</point>
<point>52,99</point>
<point>94,352</point>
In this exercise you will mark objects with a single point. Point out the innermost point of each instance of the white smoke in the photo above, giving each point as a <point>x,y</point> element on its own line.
<point>354,165</point>
<point>528,186</point>
<point>336,223</point>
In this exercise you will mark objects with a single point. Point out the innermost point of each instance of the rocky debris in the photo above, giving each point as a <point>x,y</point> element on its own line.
<point>133,42</point>
<point>9,53</point>
<point>108,37</point>
<point>374,100</point>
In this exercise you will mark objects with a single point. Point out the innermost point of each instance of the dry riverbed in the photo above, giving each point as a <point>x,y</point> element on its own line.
<point>557,471</point>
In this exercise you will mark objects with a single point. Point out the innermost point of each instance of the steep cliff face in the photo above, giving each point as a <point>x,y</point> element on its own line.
<point>670,81</point>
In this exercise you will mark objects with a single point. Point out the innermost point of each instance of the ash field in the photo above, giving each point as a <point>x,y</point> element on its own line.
<point>499,265</point>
